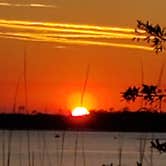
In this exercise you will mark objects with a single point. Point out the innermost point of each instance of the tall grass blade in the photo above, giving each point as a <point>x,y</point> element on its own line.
<point>3,147</point>
<point>62,148</point>
<point>10,133</point>
<point>33,158</point>
<point>57,149</point>
<point>28,148</point>
<point>76,148</point>
<point>20,150</point>
<point>43,150</point>
<point>83,150</point>
<point>85,85</point>
<point>142,148</point>
<point>120,150</point>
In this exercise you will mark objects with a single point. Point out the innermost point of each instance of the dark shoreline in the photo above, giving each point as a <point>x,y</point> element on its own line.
<point>96,121</point>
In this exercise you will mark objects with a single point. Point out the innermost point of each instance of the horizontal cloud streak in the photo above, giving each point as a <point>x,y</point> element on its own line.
<point>26,5</point>
<point>42,38</point>
<point>75,26</point>
<point>69,33</point>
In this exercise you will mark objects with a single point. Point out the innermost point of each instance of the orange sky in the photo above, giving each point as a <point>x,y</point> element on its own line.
<point>61,38</point>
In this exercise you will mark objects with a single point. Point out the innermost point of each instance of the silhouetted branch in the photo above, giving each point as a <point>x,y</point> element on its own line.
<point>149,93</point>
<point>131,94</point>
<point>155,35</point>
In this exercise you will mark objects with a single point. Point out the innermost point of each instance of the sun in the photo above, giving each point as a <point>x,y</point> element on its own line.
<point>80,111</point>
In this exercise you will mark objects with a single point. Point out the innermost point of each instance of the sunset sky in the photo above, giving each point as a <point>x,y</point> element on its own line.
<point>61,38</point>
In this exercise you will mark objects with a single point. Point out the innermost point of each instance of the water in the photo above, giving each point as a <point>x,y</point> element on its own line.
<point>79,148</point>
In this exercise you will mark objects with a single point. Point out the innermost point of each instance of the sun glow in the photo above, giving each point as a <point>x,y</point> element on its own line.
<point>80,111</point>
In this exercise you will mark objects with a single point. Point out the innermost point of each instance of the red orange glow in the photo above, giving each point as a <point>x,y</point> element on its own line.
<point>80,111</point>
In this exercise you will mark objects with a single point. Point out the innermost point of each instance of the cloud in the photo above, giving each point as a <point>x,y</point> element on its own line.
<point>60,47</point>
<point>38,38</point>
<point>26,5</point>
<point>72,34</point>
<point>73,26</point>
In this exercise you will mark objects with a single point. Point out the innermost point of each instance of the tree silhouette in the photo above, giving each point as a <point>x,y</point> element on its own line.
<point>150,94</point>
<point>160,97</point>
<point>131,94</point>
<point>155,35</point>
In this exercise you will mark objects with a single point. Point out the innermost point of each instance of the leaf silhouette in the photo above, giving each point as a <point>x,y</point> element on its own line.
<point>155,35</point>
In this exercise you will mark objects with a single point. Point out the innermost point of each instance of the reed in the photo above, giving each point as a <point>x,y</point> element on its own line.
<point>120,149</point>
<point>62,148</point>
<point>76,148</point>
<point>151,156</point>
<point>33,158</point>
<point>77,134</point>
<point>57,148</point>
<point>10,133</point>
<point>49,163</point>
<point>45,155</point>
<point>28,148</point>
<point>39,145</point>
<point>151,152</point>
<point>43,149</point>
<point>83,151</point>
<point>20,150</point>
<point>3,147</point>
<point>120,156</point>
<point>142,148</point>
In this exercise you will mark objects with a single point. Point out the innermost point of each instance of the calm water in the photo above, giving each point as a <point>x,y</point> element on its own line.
<point>55,148</point>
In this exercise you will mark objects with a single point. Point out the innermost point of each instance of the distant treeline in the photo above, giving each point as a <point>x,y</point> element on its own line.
<point>96,121</point>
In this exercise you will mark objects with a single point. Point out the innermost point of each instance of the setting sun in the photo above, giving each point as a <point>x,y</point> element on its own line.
<point>80,111</point>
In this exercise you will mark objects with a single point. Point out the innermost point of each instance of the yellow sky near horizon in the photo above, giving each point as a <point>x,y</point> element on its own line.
<point>61,38</point>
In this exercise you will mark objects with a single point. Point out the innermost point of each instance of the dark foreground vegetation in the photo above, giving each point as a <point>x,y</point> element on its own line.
<point>96,121</point>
